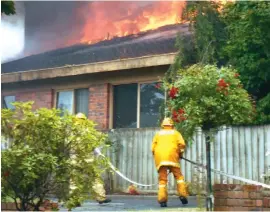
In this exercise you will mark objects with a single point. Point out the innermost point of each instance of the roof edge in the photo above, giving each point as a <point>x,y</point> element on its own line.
<point>105,66</point>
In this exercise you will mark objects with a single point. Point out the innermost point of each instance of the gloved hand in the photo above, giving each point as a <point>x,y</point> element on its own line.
<point>181,154</point>
<point>97,151</point>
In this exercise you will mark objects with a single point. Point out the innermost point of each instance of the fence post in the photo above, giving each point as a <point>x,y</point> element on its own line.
<point>209,203</point>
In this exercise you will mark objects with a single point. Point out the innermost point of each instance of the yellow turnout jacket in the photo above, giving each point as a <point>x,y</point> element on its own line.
<point>167,146</point>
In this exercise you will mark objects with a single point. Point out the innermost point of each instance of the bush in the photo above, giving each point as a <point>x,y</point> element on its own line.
<point>45,152</point>
<point>208,97</point>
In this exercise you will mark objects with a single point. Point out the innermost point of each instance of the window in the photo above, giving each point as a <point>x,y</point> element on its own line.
<point>136,105</point>
<point>125,106</point>
<point>151,99</point>
<point>73,101</point>
<point>6,102</point>
<point>65,101</point>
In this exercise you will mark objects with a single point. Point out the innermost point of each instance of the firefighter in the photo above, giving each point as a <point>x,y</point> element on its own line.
<point>167,147</point>
<point>98,185</point>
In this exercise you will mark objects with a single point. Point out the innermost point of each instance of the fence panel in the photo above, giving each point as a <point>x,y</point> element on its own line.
<point>237,150</point>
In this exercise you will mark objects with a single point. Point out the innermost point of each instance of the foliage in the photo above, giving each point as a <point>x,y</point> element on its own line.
<point>208,29</point>
<point>8,7</point>
<point>47,151</point>
<point>204,43</point>
<point>247,47</point>
<point>235,34</point>
<point>208,97</point>
<point>263,110</point>
<point>186,56</point>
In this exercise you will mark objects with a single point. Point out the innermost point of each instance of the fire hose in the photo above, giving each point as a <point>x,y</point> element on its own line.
<point>228,175</point>
<point>194,163</point>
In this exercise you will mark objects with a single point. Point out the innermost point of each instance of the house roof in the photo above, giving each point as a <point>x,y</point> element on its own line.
<point>146,45</point>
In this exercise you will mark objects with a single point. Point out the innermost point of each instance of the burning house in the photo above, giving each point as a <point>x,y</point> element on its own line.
<point>110,73</point>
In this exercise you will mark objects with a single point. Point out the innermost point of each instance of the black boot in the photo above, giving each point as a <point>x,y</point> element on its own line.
<point>183,200</point>
<point>78,204</point>
<point>104,201</point>
<point>163,204</point>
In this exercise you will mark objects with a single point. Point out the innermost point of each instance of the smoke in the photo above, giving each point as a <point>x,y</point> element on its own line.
<point>51,25</point>
<point>12,31</point>
<point>57,24</point>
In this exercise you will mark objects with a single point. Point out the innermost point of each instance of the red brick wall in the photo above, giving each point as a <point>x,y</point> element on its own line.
<point>234,197</point>
<point>41,98</point>
<point>99,104</point>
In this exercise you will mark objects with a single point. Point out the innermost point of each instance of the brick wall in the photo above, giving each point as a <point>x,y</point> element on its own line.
<point>234,197</point>
<point>99,105</point>
<point>98,102</point>
<point>41,98</point>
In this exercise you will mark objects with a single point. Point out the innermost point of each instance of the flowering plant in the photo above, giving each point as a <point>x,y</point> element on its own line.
<point>208,97</point>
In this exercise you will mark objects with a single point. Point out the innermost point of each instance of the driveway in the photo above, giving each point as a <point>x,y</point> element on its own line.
<point>137,203</point>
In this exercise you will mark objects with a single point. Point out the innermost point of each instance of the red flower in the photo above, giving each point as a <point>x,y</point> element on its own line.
<point>178,116</point>
<point>181,111</point>
<point>177,120</point>
<point>174,114</point>
<point>222,83</point>
<point>222,87</point>
<point>173,92</point>
<point>236,75</point>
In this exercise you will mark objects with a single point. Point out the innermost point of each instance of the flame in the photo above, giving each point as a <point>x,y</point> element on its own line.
<point>97,21</point>
<point>126,18</point>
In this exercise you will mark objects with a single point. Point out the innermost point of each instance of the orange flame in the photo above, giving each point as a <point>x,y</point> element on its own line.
<point>106,20</point>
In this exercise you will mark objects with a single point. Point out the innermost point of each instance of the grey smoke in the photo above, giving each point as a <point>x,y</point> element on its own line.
<point>55,24</point>
<point>48,25</point>
<point>12,33</point>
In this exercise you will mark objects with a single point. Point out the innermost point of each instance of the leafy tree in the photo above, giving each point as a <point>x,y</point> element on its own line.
<point>204,43</point>
<point>46,152</point>
<point>208,28</point>
<point>234,34</point>
<point>8,7</point>
<point>248,50</point>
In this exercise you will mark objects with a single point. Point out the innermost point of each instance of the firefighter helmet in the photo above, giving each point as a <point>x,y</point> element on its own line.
<point>81,116</point>
<point>167,122</point>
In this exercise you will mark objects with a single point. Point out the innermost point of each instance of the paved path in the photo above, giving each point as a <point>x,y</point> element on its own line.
<point>137,203</point>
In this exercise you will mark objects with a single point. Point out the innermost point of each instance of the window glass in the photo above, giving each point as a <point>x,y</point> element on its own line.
<point>65,100</point>
<point>125,106</point>
<point>7,100</point>
<point>151,99</point>
<point>82,101</point>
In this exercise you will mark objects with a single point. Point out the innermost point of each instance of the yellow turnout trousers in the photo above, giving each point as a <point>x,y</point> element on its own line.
<point>98,188</point>
<point>181,186</point>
